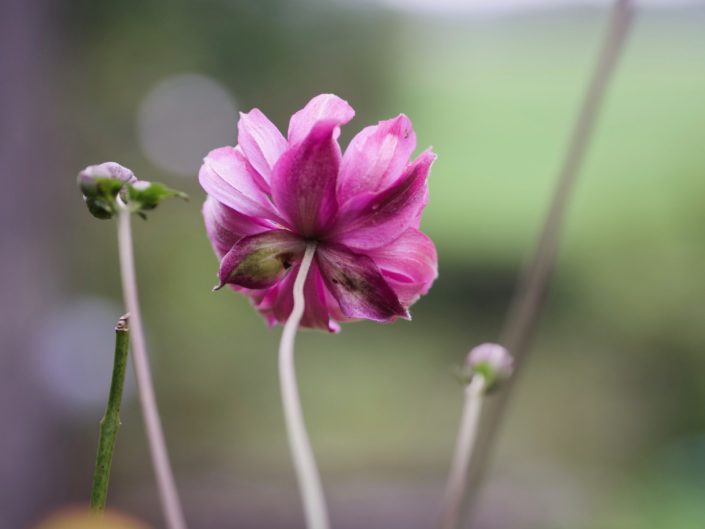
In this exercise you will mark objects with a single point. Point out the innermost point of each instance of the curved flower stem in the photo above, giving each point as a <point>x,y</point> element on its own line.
<point>309,480</point>
<point>530,296</point>
<point>467,434</point>
<point>160,458</point>
<point>110,423</point>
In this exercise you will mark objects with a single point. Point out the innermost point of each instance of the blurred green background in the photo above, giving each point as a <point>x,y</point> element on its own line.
<point>607,426</point>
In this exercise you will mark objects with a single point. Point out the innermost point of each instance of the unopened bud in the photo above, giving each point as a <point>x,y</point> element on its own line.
<point>491,361</point>
<point>100,184</point>
<point>89,178</point>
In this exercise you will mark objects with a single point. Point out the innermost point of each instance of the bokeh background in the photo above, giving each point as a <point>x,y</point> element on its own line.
<point>607,427</point>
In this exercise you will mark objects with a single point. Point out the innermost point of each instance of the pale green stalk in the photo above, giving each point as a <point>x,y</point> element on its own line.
<point>166,486</point>
<point>315,510</point>
<point>465,443</point>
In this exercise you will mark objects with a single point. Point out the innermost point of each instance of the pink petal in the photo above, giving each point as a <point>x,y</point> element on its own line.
<point>261,142</point>
<point>357,284</point>
<point>226,176</point>
<point>334,309</point>
<point>409,264</point>
<point>276,302</point>
<point>259,261</point>
<point>225,226</point>
<point>316,310</point>
<point>316,313</point>
<point>323,107</point>
<point>303,182</point>
<point>376,157</point>
<point>370,220</point>
<point>283,302</point>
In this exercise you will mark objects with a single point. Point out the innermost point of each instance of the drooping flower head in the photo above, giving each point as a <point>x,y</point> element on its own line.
<point>269,196</point>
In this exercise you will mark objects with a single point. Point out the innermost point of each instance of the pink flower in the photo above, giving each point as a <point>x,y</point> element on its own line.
<point>269,195</point>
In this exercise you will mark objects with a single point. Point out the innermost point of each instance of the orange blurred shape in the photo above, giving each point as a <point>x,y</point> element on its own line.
<point>82,518</point>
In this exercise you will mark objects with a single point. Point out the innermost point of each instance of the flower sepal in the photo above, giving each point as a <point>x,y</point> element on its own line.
<point>144,196</point>
<point>259,261</point>
<point>99,196</point>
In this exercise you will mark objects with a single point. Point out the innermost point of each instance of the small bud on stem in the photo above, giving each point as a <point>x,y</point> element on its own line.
<point>486,366</point>
<point>101,184</point>
<point>109,190</point>
<point>492,361</point>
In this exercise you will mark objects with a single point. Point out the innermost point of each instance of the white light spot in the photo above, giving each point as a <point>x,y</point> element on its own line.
<point>182,118</point>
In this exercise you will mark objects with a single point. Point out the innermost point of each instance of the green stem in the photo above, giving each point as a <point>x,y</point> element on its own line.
<point>110,423</point>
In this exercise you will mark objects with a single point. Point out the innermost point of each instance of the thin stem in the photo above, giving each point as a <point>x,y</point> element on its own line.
<point>530,295</point>
<point>160,458</point>
<point>309,480</point>
<point>110,423</point>
<point>467,434</point>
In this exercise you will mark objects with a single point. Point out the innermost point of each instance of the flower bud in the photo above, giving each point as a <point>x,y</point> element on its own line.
<point>89,178</point>
<point>491,361</point>
<point>100,184</point>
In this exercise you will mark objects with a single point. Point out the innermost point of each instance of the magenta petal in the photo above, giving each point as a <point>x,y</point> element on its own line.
<point>303,182</point>
<point>316,313</point>
<point>261,142</point>
<point>283,303</point>
<point>376,157</point>
<point>259,261</point>
<point>228,177</point>
<point>225,226</point>
<point>316,309</point>
<point>370,220</point>
<point>409,264</point>
<point>323,107</point>
<point>357,284</point>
